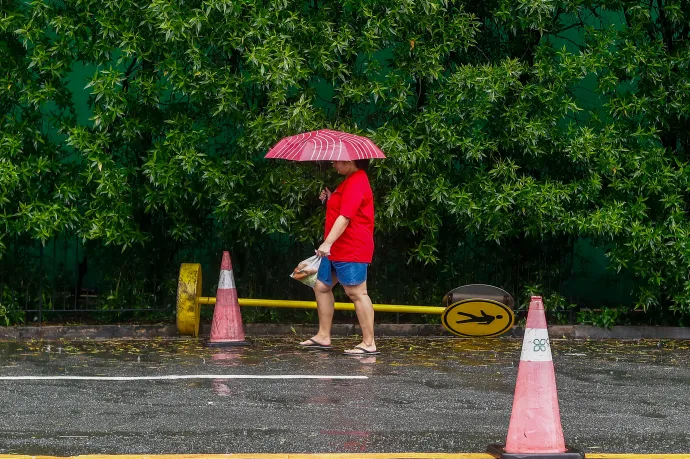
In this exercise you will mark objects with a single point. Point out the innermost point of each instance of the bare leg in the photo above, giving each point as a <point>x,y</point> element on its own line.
<point>365,315</point>
<point>325,304</point>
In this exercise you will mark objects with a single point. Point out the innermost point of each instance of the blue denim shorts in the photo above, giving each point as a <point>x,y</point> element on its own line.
<point>349,273</point>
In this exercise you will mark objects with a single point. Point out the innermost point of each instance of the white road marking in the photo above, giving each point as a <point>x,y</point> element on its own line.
<point>170,377</point>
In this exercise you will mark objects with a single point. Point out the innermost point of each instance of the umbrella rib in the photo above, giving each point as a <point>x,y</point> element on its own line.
<point>333,139</point>
<point>320,147</point>
<point>330,137</point>
<point>370,146</point>
<point>285,145</point>
<point>324,150</point>
<point>278,149</point>
<point>356,144</point>
<point>290,145</point>
<point>300,140</point>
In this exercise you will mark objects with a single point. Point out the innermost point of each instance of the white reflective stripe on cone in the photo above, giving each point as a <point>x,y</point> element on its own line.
<point>536,346</point>
<point>226,279</point>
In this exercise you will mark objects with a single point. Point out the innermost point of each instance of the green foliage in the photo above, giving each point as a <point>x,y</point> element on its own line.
<point>558,309</point>
<point>605,318</point>
<point>10,310</point>
<point>512,130</point>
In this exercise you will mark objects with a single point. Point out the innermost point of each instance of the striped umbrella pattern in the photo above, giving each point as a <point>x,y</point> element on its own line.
<point>325,145</point>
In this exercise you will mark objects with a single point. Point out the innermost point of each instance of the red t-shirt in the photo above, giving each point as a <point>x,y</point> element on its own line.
<point>354,200</point>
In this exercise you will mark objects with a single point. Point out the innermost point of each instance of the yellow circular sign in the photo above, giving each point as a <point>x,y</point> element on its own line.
<point>478,317</point>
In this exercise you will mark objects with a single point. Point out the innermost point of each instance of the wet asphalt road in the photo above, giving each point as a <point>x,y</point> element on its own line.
<point>421,395</point>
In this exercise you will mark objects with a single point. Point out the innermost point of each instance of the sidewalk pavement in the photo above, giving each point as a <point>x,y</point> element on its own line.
<point>169,331</point>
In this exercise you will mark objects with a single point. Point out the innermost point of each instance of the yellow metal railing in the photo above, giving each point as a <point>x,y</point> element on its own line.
<point>410,309</point>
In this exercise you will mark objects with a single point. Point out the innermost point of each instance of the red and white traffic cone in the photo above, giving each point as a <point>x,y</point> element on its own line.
<point>227,329</point>
<point>535,430</point>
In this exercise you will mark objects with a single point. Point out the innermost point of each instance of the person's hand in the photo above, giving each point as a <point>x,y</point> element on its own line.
<point>325,195</point>
<point>324,250</point>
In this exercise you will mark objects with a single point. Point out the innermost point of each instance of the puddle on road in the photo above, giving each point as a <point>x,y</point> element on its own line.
<point>396,352</point>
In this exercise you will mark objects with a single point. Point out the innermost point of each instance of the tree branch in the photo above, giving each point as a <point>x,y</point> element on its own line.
<point>128,74</point>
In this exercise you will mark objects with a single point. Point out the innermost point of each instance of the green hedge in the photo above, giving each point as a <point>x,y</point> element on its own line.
<point>514,131</point>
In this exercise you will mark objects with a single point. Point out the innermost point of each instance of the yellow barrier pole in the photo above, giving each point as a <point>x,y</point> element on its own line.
<point>338,306</point>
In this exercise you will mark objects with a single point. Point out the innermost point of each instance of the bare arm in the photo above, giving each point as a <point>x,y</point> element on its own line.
<point>338,229</point>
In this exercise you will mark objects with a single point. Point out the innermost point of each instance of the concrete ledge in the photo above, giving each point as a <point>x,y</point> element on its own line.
<point>622,332</point>
<point>101,332</point>
<point>169,331</point>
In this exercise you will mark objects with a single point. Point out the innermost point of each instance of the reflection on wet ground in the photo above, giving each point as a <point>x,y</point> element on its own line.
<point>397,352</point>
<point>422,394</point>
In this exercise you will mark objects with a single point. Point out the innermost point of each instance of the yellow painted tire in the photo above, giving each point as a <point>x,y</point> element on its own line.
<point>188,293</point>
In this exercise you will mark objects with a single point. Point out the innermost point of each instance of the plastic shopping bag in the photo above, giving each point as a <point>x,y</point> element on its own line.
<point>306,271</point>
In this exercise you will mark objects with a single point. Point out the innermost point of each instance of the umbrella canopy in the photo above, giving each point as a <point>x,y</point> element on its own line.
<point>325,145</point>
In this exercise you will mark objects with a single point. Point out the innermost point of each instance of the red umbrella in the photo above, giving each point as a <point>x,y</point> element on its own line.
<point>325,145</point>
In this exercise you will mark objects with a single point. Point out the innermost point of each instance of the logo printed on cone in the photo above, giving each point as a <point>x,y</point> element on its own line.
<point>227,328</point>
<point>535,422</point>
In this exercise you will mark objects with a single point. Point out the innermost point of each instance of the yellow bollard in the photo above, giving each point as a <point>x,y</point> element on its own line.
<point>188,293</point>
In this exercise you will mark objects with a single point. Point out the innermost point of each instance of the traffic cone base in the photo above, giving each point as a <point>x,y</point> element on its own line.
<point>499,452</point>
<point>227,329</point>
<point>227,343</point>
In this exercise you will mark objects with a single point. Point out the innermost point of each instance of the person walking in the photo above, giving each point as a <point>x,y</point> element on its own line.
<point>346,253</point>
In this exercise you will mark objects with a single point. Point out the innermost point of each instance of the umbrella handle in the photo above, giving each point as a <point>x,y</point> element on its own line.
<point>327,193</point>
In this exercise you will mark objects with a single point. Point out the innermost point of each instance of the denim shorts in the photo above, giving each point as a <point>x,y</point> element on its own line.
<point>349,273</point>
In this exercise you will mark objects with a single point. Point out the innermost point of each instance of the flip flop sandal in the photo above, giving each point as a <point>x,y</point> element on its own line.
<point>316,345</point>
<point>363,353</point>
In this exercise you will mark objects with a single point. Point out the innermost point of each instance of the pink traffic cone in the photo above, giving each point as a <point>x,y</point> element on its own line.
<point>227,329</point>
<point>535,423</point>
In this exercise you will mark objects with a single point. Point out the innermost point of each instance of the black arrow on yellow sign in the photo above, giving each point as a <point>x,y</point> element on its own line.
<point>485,318</point>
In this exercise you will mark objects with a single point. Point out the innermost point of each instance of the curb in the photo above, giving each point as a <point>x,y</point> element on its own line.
<point>169,331</point>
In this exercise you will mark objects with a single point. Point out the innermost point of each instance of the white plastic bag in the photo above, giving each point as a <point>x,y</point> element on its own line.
<point>306,271</point>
